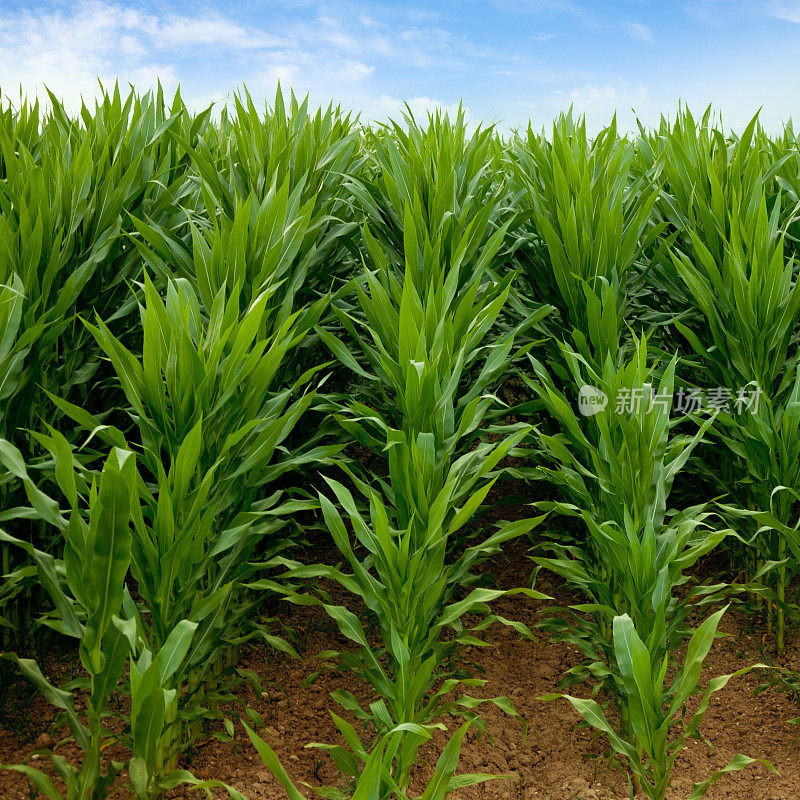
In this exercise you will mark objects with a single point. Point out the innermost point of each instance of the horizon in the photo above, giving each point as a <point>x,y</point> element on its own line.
<point>507,61</point>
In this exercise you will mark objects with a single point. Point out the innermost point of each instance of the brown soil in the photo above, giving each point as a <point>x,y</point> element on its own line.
<point>557,761</point>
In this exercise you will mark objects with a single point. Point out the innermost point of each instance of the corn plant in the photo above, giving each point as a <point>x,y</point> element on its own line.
<point>426,349</point>
<point>782,154</point>
<point>68,188</point>
<point>424,343</point>
<point>210,418</point>
<point>427,326</point>
<point>95,564</point>
<point>435,188</point>
<point>63,207</point>
<point>658,729</point>
<point>430,357</point>
<point>315,153</point>
<point>615,468</point>
<point>746,343</point>
<point>22,120</point>
<point>265,204</point>
<point>582,222</point>
<point>13,349</point>
<point>375,780</point>
<point>409,585</point>
<point>93,605</point>
<point>701,172</point>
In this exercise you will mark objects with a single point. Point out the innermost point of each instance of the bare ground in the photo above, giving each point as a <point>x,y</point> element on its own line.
<point>557,760</point>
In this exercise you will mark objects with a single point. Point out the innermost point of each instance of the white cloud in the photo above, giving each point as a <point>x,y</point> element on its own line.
<point>639,30</point>
<point>599,101</point>
<point>788,11</point>
<point>368,56</point>
<point>386,106</point>
<point>322,78</point>
<point>69,50</point>
<point>329,55</point>
<point>392,41</point>
<point>352,70</point>
<point>212,31</point>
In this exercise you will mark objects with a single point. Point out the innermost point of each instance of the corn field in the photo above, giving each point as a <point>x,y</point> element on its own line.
<point>261,360</point>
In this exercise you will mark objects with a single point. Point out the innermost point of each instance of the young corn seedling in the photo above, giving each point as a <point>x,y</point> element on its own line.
<point>92,604</point>
<point>87,597</point>
<point>410,584</point>
<point>210,418</point>
<point>657,730</point>
<point>616,467</point>
<point>411,588</point>
<point>375,780</point>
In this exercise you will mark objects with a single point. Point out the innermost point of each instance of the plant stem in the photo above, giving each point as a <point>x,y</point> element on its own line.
<point>780,643</point>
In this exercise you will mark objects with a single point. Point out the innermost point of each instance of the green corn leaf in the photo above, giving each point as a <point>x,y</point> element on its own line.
<point>41,781</point>
<point>273,764</point>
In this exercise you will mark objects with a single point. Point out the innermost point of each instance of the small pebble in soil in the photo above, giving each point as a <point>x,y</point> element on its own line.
<point>43,741</point>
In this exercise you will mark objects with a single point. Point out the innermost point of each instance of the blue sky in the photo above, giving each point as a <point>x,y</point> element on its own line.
<point>507,60</point>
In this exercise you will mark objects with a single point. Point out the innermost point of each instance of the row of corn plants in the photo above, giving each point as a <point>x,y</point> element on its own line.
<point>204,316</point>
<point>420,338</point>
<point>207,392</point>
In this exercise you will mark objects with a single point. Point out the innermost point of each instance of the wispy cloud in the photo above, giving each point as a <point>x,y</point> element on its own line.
<point>508,59</point>
<point>386,106</point>
<point>326,53</point>
<point>69,51</point>
<point>788,11</point>
<point>638,30</point>
<point>718,13</point>
<point>600,101</point>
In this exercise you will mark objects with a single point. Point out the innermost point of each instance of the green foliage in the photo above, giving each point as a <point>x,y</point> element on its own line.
<point>430,197</point>
<point>172,288</point>
<point>375,781</point>
<point>651,744</point>
<point>617,466</point>
<point>65,203</point>
<point>426,345</point>
<point>88,589</point>
<point>211,419</point>
<point>582,222</point>
<point>737,276</point>
<point>411,589</point>
<point>69,191</point>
